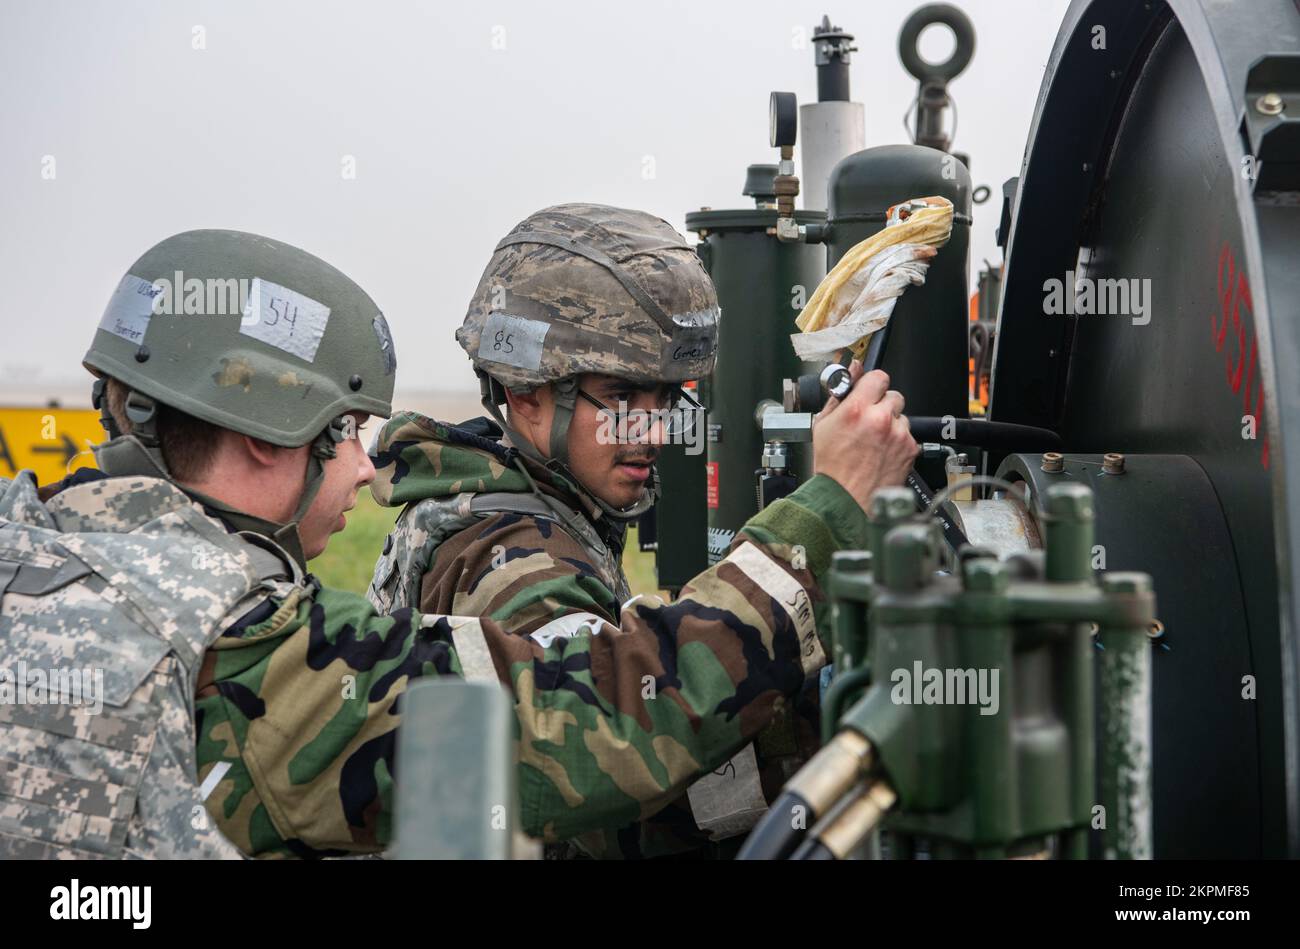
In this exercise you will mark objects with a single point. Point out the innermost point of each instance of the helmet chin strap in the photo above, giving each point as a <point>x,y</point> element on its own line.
<point>566,396</point>
<point>139,454</point>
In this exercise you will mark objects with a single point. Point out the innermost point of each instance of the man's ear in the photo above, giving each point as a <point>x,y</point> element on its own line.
<point>263,454</point>
<point>526,406</point>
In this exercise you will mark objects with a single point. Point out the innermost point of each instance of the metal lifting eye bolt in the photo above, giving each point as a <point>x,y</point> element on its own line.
<point>836,380</point>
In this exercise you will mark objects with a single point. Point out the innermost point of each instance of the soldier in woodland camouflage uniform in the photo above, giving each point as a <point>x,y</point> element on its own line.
<point>180,570</point>
<point>583,307</point>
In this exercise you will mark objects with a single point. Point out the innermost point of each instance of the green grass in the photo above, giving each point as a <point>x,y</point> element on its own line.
<point>640,568</point>
<point>349,561</point>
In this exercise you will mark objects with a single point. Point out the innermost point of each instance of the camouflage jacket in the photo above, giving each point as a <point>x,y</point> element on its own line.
<point>300,697</point>
<point>449,478</point>
<point>453,550</point>
<point>112,586</point>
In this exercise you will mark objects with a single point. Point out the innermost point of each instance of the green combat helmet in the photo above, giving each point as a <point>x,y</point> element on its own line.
<point>248,334</point>
<point>586,288</point>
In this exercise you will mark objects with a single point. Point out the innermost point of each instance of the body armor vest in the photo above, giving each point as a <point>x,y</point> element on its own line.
<point>425,525</point>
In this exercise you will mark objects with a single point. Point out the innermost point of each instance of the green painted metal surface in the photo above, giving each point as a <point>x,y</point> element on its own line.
<point>762,284</point>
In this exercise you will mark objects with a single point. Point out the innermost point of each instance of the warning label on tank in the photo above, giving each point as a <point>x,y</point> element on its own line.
<point>712,493</point>
<point>719,543</point>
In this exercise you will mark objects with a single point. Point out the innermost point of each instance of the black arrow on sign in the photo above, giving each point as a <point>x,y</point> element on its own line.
<point>68,450</point>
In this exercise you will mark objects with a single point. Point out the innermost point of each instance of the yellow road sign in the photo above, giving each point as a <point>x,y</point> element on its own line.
<point>52,442</point>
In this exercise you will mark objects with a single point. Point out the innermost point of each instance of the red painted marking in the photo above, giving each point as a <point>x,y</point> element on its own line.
<point>1236,308</point>
<point>712,468</point>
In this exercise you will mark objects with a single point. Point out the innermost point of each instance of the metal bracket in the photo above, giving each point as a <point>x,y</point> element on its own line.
<point>1273,122</point>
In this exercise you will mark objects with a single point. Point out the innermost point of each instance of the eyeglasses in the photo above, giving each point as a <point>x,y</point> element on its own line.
<point>679,413</point>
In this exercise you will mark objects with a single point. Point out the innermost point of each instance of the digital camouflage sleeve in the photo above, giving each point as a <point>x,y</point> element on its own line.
<point>298,701</point>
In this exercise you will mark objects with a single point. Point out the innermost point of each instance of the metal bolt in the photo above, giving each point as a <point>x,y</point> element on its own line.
<point>1069,501</point>
<point>1112,463</point>
<point>774,455</point>
<point>1270,103</point>
<point>891,504</point>
<point>1156,630</point>
<point>1053,461</point>
<point>142,354</point>
<point>909,556</point>
<point>354,383</point>
<point>985,575</point>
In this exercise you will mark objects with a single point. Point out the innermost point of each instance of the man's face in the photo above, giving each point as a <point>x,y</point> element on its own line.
<point>616,469</point>
<point>345,474</point>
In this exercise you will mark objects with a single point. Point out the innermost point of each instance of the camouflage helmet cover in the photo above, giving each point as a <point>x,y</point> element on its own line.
<point>247,333</point>
<point>579,288</point>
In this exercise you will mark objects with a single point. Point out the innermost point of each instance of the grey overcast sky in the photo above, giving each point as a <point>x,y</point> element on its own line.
<point>461,119</point>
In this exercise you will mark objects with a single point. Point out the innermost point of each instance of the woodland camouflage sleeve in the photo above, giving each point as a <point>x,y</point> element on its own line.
<point>297,708</point>
<point>299,699</point>
<point>614,726</point>
<point>523,572</point>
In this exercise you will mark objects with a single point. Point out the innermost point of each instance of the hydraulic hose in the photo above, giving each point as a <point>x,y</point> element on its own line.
<point>841,833</point>
<point>812,849</point>
<point>818,785</point>
<point>777,835</point>
<point>1000,436</point>
<point>953,534</point>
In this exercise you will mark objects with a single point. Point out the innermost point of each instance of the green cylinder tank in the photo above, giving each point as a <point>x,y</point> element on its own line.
<point>762,284</point>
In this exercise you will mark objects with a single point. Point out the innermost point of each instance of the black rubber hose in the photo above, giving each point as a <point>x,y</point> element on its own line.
<point>875,353</point>
<point>999,436</point>
<point>775,836</point>
<point>953,534</point>
<point>813,850</point>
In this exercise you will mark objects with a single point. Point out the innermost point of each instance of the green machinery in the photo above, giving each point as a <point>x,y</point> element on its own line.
<point>1159,194</point>
<point>1162,169</point>
<point>762,283</point>
<point>1004,599</point>
<point>961,719</point>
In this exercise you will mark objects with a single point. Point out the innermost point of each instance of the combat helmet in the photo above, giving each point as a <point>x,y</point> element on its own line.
<point>249,334</point>
<point>587,288</point>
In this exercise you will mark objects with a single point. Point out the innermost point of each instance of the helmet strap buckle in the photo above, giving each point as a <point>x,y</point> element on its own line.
<point>143,414</point>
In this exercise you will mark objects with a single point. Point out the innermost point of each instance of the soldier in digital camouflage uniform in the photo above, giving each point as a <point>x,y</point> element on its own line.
<point>136,569</point>
<point>584,307</point>
<point>179,568</point>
